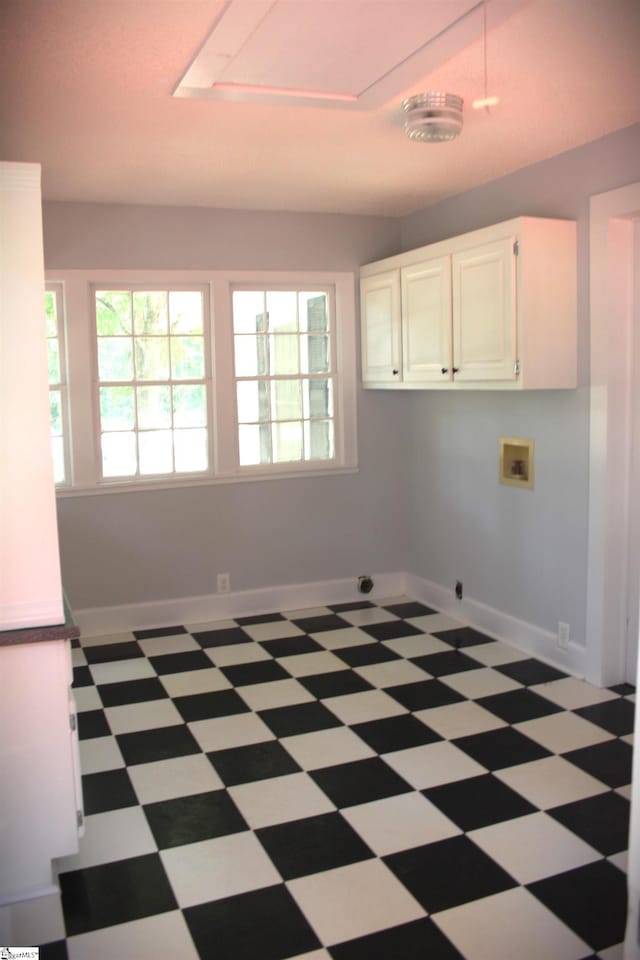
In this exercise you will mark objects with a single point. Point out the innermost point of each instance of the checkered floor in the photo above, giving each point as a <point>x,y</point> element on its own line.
<point>356,782</point>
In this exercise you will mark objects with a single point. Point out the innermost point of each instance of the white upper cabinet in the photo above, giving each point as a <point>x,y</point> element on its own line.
<point>492,309</point>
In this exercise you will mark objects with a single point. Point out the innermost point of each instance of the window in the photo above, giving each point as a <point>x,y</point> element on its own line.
<point>284,369</point>
<point>57,384</point>
<point>152,382</point>
<point>182,378</point>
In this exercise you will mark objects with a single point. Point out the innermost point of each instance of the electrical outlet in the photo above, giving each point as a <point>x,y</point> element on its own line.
<point>563,635</point>
<point>224,583</point>
<point>459,589</point>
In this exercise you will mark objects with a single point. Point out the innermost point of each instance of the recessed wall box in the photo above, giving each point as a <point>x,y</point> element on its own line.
<point>516,462</point>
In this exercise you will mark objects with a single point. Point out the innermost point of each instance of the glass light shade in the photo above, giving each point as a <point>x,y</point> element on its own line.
<point>433,117</point>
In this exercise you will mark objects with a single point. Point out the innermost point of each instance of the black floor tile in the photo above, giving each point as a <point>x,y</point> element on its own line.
<point>299,718</point>
<point>352,605</point>
<point>262,671</point>
<point>420,940</point>
<point>204,706</point>
<point>221,638</point>
<point>501,748</point>
<point>181,662</point>
<point>462,637</point>
<point>449,661</point>
<point>348,784</point>
<point>147,746</point>
<point>445,874</point>
<point>258,761</point>
<point>390,629</point>
<point>131,691</point>
<point>92,723</point>
<point>615,716</point>
<point>158,632</point>
<point>395,733</point>
<point>113,893</point>
<point>529,672</point>
<point>591,900</point>
<point>366,653</point>
<point>516,706</point>
<point>410,608</point>
<point>264,924</point>
<point>259,618</point>
<point>624,689</point>
<point>478,802</point>
<point>108,790</point>
<point>326,621</point>
<point>301,847</point>
<point>336,684</point>
<point>56,950</point>
<point>609,761</point>
<point>291,646</point>
<point>192,819</point>
<point>424,694</point>
<point>602,821</point>
<point>82,677</point>
<point>109,652</point>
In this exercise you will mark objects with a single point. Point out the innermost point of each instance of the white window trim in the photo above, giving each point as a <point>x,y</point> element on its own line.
<point>78,287</point>
<point>58,290</point>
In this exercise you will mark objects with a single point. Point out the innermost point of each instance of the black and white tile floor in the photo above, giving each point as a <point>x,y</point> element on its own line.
<point>356,782</point>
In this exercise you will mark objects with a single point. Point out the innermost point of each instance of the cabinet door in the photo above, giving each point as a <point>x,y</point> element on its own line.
<point>426,321</point>
<point>380,308</point>
<point>484,312</point>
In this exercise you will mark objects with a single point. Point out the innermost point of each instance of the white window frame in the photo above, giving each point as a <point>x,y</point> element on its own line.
<point>57,289</point>
<point>85,464</point>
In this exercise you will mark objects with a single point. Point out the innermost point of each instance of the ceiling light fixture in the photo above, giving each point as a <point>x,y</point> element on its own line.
<point>433,117</point>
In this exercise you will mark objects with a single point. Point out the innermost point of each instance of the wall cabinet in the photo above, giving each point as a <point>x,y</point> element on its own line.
<point>492,309</point>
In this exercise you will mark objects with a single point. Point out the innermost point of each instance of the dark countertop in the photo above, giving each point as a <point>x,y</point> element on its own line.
<point>69,630</point>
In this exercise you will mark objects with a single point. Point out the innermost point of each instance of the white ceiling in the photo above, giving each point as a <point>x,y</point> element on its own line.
<point>296,104</point>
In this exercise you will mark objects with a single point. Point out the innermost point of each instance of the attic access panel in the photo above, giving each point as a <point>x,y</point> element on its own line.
<point>351,54</point>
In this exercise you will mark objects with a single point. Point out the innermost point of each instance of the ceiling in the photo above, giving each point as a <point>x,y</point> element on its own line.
<point>296,104</point>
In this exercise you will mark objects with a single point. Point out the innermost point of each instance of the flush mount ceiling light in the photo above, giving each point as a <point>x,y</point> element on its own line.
<point>433,117</point>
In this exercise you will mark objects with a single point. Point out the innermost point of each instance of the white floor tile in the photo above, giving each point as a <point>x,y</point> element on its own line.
<point>220,733</point>
<point>87,698</point>
<point>433,622</point>
<point>561,732</point>
<point>572,693</point>
<point>625,791</point>
<point>204,626</point>
<point>612,953</point>
<point>222,867</point>
<point>392,673</point>
<point>190,682</point>
<point>508,925</point>
<point>310,664</point>
<point>176,777</point>
<point>303,613</point>
<point>107,638</point>
<point>620,860</point>
<point>115,835</point>
<point>274,630</point>
<point>100,753</point>
<point>433,764</point>
<point>36,921</point>
<point>550,782</point>
<point>532,847</point>
<point>360,707</point>
<point>119,671</point>
<point>495,654</point>
<point>345,637</point>
<point>352,901</point>
<point>417,645</point>
<point>399,823</point>
<point>78,658</point>
<point>292,797</point>
<point>147,715</point>
<point>237,653</point>
<point>163,935</point>
<point>460,719</point>
<point>278,693</point>
<point>480,683</point>
<point>367,616</point>
<point>325,748</point>
<point>176,643</point>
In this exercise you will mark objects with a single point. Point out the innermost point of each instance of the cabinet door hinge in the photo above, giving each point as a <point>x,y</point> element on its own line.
<point>79,818</point>
<point>72,721</point>
<point>516,247</point>
<point>516,368</point>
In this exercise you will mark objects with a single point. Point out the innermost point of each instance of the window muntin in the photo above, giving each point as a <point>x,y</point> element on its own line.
<point>57,382</point>
<point>285,370</point>
<point>153,385</point>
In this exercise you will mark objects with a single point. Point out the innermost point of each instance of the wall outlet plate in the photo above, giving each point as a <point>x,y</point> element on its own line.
<point>224,583</point>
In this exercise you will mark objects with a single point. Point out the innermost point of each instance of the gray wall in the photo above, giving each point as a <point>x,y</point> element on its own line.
<point>521,552</point>
<point>144,546</point>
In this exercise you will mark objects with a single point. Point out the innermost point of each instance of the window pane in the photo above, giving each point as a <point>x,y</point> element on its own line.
<point>187,358</point>
<point>53,352</point>
<point>314,353</point>
<point>253,401</point>
<point>254,444</point>
<point>113,312</point>
<point>119,455</point>
<point>55,410</point>
<point>57,453</point>
<point>319,440</point>
<point>286,400</point>
<point>251,356</point>
<point>156,454</point>
<point>248,311</point>
<point>284,353</point>
<point>318,398</point>
<point>51,313</point>
<point>116,408</point>
<point>115,358</point>
<point>190,406</point>
<point>314,315</point>
<point>287,442</point>
<point>282,310</point>
<point>154,407</point>
<point>150,313</point>
<point>190,447</point>
<point>152,358</point>
<point>185,311</point>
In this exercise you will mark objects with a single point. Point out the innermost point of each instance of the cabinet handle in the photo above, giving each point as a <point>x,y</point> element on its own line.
<point>455,370</point>
<point>444,370</point>
<point>395,372</point>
